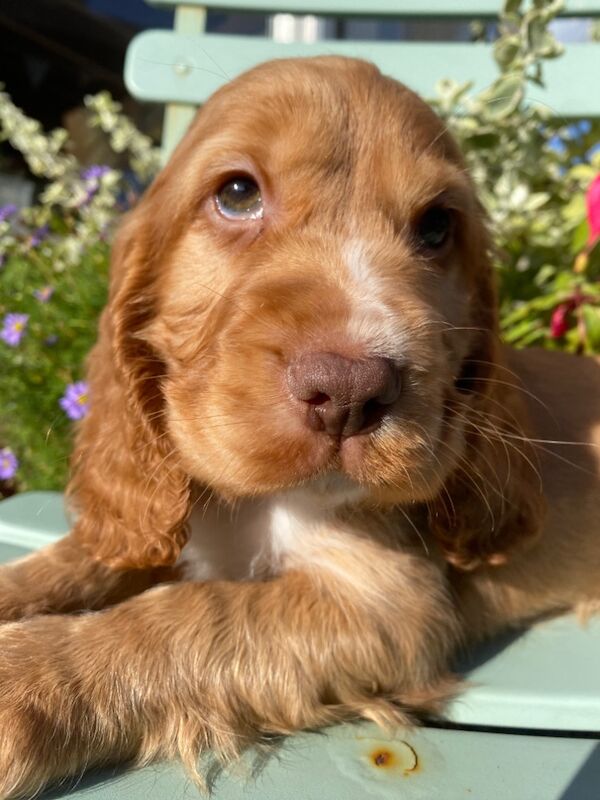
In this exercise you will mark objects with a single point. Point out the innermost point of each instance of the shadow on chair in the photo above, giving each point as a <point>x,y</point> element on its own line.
<point>586,783</point>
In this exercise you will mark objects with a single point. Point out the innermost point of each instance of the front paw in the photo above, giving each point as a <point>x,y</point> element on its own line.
<point>26,761</point>
<point>44,728</point>
<point>61,708</point>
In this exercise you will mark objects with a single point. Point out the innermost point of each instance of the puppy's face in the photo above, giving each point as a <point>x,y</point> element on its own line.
<point>321,262</point>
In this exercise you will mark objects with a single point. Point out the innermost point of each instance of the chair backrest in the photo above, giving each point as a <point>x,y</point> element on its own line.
<point>181,68</point>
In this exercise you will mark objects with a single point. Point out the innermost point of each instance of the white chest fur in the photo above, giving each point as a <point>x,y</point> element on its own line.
<point>252,539</point>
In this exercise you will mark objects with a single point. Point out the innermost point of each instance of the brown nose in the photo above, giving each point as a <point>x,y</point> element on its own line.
<point>344,396</point>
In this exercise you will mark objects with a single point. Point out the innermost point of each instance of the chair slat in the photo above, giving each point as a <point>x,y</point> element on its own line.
<point>167,67</point>
<point>377,8</point>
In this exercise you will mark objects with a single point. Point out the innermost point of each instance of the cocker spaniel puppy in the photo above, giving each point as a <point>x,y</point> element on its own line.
<point>304,430</point>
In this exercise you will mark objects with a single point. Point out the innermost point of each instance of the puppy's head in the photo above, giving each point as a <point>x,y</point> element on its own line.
<point>304,291</point>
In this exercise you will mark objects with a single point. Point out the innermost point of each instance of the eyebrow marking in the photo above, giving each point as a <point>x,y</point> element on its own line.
<point>356,260</point>
<point>372,321</point>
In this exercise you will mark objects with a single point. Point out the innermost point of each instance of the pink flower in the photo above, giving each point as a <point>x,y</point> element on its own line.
<point>593,209</point>
<point>559,323</point>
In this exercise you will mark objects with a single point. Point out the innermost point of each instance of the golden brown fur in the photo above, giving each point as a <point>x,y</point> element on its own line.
<point>375,556</point>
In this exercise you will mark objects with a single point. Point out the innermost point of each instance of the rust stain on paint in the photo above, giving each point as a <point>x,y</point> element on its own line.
<point>398,758</point>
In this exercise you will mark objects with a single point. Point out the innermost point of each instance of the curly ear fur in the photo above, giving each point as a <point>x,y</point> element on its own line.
<point>129,493</point>
<point>492,502</point>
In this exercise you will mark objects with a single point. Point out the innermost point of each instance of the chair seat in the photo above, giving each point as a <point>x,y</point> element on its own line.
<point>534,697</point>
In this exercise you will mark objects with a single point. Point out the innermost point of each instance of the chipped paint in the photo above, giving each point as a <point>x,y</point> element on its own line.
<point>398,758</point>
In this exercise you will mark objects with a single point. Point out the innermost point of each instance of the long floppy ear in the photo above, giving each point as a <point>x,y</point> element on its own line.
<point>130,495</point>
<point>492,503</point>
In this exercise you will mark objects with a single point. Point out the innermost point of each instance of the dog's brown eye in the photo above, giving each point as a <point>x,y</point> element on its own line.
<point>435,228</point>
<point>240,198</point>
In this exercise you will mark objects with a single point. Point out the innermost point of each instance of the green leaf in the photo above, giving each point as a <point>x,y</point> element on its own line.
<point>535,336</point>
<point>450,93</point>
<point>515,333</point>
<point>550,8</point>
<point>506,50</point>
<point>484,141</point>
<point>591,320</point>
<point>504,96</point>
<point>582,172</point>
<point>544,275</point>
<point>593,267</point>
<point>538,35</point>
<point>511,7</point>
<point>536,201</point>
<point>575,209</point>
<point>580,236</point>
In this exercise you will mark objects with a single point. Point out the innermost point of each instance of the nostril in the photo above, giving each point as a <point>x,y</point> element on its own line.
<point>318,399</point>
<point>373,412</point>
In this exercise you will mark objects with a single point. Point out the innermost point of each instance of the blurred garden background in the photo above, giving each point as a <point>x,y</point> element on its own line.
<point>76,152</point>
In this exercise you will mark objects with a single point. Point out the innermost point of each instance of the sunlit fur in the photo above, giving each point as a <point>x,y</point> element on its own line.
<point>324,580</point>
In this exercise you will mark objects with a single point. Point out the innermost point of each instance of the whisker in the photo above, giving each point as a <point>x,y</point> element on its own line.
<point>515,386</point>
<point>415,529</point>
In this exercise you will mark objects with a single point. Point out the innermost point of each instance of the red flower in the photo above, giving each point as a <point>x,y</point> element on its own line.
<point>559,321</point>
<point>559,324</point>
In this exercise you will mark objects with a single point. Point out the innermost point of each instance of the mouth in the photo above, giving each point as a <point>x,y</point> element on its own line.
<point>351,454</point>
<point>343,456</point>
<point>403,461</point>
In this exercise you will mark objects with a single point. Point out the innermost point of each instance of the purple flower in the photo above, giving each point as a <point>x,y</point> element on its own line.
<point>38,236</point>
<point>44,294</point>
<point>51,340</point>
<point>92,175</point>
<point>13,328</point>
<point>8,464</point>
<point>95,172</point>
<point>7,211</point>
<point>75,401</point>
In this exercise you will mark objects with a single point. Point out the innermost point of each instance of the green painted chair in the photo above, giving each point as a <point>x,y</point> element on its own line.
<point>181,68</point>
<point>528,726</point>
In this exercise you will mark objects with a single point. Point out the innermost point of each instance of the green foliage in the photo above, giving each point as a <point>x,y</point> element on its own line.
<point>532,171</point>
<point>54,271</point>
<point>49,357</point>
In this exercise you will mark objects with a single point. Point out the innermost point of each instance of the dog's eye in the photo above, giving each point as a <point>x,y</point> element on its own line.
<point>240,198</point>
<point>435,227</point>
